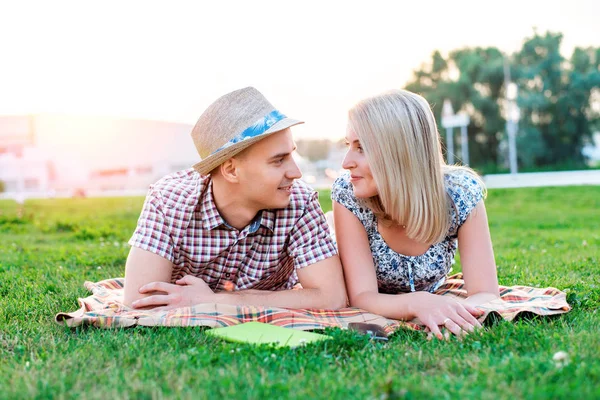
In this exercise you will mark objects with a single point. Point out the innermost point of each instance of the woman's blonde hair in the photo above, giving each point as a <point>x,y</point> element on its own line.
<point>399,136</point>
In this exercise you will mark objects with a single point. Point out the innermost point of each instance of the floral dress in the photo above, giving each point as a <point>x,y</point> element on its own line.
<point>397,273</point>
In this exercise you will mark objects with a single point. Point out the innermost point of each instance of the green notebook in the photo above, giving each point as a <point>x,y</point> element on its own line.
<point>259,333</point>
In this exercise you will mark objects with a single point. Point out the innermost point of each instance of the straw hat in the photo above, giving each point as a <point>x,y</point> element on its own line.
<point>232,123</point>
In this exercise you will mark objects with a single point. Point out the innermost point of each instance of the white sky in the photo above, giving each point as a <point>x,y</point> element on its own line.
<point>313,59</point>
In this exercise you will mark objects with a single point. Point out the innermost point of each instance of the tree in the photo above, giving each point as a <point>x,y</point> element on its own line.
<point>472,79</point>
<point>555,101</point>
<point>555,97</point>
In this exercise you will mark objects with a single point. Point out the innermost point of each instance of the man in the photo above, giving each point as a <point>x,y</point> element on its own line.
<point>238,228</point>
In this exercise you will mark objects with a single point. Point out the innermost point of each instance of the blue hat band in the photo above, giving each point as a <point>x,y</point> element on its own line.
<point>254,130</point>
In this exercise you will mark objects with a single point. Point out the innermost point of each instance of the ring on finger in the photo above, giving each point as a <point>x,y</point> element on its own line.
<point>446,321</point>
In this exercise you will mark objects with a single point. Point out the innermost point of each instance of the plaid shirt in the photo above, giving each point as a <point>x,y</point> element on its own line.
<point>180,222</point>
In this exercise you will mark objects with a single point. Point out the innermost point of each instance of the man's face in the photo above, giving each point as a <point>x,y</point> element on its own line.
<point>267,171</point>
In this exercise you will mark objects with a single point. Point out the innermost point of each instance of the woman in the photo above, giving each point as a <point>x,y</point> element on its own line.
<point>399,213</point>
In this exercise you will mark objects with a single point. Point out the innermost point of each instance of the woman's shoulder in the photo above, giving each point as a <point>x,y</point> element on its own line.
<point>465,189</point>
<point>342,192</point>
<point>342,182</point>
<point>342,188</point>
<point>462,180</point>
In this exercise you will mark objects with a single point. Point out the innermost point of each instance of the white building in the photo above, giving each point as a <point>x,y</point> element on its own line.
<point>26,171</point>
<point>66,154</point>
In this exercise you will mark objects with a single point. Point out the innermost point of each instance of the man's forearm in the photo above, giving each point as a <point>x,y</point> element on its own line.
<point>302,298</point>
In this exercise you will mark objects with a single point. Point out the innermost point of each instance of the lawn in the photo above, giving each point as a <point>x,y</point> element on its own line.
<point>48,248</point>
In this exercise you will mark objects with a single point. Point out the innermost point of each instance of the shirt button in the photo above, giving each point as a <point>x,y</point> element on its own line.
<point>227,275</point>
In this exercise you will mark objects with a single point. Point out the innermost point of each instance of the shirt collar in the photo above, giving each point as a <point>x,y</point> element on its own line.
<point>208,209</point>
<point>268,219</point>
<point>211,218</point>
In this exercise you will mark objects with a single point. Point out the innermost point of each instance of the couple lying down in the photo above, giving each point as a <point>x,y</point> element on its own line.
<point>241,228</point>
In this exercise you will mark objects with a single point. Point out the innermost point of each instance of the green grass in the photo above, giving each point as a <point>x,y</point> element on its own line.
<point>48,248</point>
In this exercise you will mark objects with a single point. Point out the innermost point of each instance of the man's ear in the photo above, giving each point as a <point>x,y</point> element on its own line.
<point>229,170</point>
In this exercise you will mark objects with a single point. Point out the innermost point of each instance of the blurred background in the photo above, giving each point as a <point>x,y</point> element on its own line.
<point>99,99</point>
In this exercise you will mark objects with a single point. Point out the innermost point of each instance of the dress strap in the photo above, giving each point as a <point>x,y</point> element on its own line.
<point>411,278</point>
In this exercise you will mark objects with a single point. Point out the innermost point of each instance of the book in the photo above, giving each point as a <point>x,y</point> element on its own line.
<point>260,333</point>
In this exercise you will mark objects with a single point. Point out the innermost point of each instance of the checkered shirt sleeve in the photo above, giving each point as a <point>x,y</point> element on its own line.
<point>310,240</point>
<point>152,232</point>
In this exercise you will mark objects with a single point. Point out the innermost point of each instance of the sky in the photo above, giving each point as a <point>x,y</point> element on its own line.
<point>312,59</point>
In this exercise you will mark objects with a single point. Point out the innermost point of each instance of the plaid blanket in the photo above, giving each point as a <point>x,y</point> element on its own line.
<point>104,309</point>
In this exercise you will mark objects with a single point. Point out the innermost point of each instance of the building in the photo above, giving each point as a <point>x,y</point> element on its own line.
<point>44,155</point>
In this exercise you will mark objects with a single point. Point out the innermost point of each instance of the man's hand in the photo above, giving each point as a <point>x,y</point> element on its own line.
<point>187,291</point>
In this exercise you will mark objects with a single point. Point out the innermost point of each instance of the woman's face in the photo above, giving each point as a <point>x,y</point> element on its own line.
<point>356,162</point>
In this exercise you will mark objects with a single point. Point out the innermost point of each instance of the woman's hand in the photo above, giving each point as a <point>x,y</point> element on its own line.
<point>436,311</point>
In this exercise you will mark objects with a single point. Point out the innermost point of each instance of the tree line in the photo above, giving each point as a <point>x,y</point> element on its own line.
<point>558,99</point>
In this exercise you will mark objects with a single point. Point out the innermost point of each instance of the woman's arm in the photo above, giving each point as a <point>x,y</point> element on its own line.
<point>361,284</point>
<point>477,257</point>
